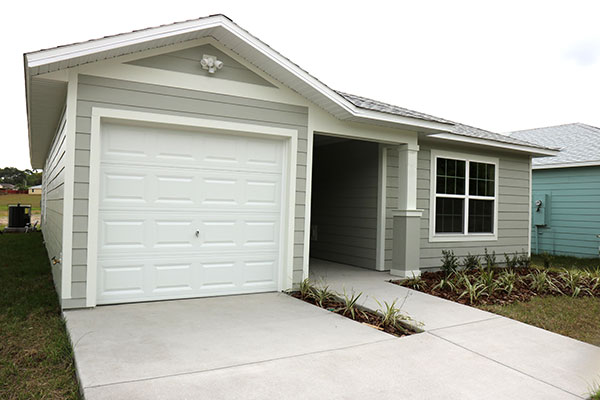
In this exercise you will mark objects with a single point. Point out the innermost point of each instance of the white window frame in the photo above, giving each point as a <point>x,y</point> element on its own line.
<point>465,236</point>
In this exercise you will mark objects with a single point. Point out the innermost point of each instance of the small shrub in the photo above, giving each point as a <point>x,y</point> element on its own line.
<point>490,259</point>
<point>471,261</point>
<point>524,260</point>
<point>547,259</point>
<point>512,261</point>
<point>449,262</point>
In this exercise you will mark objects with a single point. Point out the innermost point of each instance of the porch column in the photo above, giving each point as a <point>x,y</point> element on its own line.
<point>407,218</point>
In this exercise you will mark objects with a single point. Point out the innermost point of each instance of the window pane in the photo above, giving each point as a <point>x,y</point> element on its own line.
<point>449,215</point>
<point>481,179</point>
<point>481,216</point>
<point>450,176</point>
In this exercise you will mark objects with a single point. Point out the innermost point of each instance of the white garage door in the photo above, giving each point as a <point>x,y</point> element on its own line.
<point>187,213</point>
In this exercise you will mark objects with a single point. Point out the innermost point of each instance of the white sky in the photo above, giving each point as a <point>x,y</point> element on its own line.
<point>501,66</point>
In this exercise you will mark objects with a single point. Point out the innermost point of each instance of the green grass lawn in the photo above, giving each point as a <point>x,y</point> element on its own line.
<point>578,317</point>
<point>36,360</point>
<point>568,262</point>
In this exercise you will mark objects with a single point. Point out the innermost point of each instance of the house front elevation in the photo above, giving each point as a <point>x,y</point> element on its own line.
<point>194,160</point>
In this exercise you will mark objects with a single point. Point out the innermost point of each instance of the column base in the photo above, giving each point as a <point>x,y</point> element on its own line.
<point>406,273</point>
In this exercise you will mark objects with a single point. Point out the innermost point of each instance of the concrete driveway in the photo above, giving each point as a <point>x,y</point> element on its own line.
<point>274,346</point>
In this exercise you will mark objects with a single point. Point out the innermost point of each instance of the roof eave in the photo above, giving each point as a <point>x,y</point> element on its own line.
<point>595,163</point>
<point>534,151</point>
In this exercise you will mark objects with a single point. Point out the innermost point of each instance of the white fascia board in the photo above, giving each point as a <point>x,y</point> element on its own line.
<point>534,151</point>
<point>595,163</point>
<point>43,57</point>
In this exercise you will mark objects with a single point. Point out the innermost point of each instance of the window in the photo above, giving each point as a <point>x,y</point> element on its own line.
<point>464,197</point>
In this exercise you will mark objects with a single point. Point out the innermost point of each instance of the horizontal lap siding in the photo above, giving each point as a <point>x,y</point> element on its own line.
<point>513,208</point>
<point>53,200</point>
<point>126,95</point>
<point>344,202</point>
<point>573,212</point>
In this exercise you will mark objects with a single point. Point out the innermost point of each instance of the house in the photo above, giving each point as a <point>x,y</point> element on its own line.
<point>193,160</point>
<point>35,189</point>
<point>566,220</point>
<point>8,188</point>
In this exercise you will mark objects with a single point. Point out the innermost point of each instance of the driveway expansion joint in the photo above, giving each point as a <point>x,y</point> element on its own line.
<point>201,371</point>
<point>505,365</point>
<point>463,324</point>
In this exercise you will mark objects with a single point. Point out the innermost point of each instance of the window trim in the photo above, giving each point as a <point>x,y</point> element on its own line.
<point>466,236</point>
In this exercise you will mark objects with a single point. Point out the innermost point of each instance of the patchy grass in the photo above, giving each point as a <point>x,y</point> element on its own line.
<point>577,317</point>
<point>32,199</point>
<point>569,262</point>
<point>36,360</point>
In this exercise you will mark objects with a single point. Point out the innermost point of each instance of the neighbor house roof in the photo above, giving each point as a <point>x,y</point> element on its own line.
<point>579,144</point>
<point>341,105</point>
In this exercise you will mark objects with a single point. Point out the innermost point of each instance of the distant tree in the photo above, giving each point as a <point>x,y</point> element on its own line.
<point>21,179</point>
<point>13,175</point>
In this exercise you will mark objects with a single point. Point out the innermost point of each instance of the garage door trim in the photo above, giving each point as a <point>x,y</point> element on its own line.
<point>225,127</point>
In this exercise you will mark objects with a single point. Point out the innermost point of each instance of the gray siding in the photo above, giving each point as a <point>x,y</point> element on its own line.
<point>344,202</point>
<point>188,61</point>
<point>116,94</point>
<point>53,200</point>
<point>513,208</point>
<point>391,202</point>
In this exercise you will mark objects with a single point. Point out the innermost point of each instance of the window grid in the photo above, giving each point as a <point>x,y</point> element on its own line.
<point>468,228</point>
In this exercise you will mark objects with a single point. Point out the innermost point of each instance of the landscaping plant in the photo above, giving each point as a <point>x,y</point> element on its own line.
<point>471,261</point>
<point>349,308</point>
<point>449,262</point>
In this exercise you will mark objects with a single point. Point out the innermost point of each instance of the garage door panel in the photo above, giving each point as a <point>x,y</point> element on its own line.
<point>186,214</point>
<point>167,146</point>
<point>152,187</point>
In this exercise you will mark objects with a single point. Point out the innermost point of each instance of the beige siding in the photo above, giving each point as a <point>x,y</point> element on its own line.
<point>53,200</point>
<point>513,208</point>
<point>344,202</point>
<point>116,94</point>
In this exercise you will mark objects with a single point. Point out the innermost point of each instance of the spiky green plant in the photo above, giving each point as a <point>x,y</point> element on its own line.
<point>446,283</point>
<point>322,295</point>
<point>350,308</point>
<point>487,279</point>
<point>390,314</point>
<point>306,288</point>
<point>506,281</point>
<point>511,261</point>
<point>415,282</point>
<point>573,279</point>
<point>472,289</point>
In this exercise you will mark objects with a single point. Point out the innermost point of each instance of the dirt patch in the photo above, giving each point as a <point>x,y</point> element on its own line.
<point>361,315</point>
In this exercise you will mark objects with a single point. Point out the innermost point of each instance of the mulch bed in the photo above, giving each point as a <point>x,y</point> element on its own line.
<point>521,292</point>
<point>362,315</point>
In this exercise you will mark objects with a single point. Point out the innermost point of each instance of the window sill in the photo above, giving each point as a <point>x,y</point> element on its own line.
<point>463,238</point>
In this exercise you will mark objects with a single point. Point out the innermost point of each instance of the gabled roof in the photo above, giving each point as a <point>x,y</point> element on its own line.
<point>341,105</point>
<point>579,144</point>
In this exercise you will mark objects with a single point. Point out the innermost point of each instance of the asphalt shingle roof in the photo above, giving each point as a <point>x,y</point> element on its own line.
<point>578,143</point>
<point>453,127</point>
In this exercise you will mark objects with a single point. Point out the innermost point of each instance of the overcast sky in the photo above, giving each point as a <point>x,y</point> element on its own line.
<point>500,66</point>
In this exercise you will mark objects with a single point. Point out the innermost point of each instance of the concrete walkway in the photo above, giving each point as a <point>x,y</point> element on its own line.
<point>271,345</point>
<point>548,358</point>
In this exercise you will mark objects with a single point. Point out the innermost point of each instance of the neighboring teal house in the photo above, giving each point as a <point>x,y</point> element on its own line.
<point>566,190</point>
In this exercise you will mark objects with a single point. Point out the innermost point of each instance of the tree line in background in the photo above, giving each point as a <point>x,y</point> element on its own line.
<point>22,179</point>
